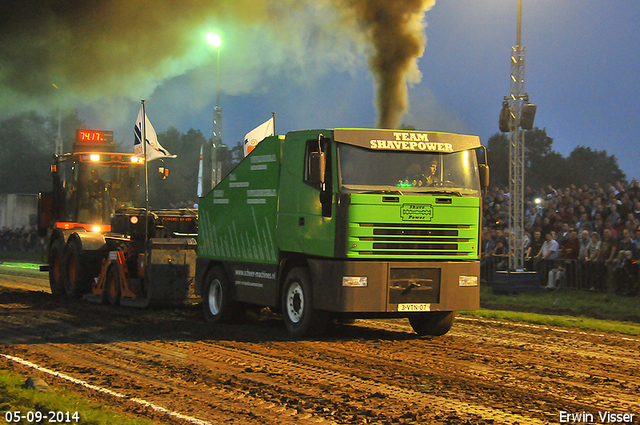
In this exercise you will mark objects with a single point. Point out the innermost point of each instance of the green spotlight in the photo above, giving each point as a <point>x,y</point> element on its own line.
<point>214,39</point>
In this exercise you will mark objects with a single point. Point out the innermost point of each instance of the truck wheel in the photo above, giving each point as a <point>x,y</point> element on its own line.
<point>217,303</point>
<point>74,280</point>
<point>298,313</point>
<point>435,323</point>
<point>112,286</point>
<point>56,256</point>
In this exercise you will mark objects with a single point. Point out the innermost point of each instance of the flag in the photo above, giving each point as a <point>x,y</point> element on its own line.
<point>154,149</point>
<point>257,135</point>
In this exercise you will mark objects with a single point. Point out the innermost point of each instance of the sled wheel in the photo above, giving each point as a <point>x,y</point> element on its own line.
<point>112,286</point>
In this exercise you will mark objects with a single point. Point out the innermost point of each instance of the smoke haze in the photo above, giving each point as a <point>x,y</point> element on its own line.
<point>103,51</point>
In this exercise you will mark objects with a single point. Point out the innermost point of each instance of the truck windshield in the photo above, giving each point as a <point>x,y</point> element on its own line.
<point>366,170</point>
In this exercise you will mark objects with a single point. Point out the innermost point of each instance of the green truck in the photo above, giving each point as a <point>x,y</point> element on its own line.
<point>344,224</point>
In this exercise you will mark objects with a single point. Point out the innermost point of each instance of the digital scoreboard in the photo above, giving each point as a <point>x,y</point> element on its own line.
<point>93,136</point>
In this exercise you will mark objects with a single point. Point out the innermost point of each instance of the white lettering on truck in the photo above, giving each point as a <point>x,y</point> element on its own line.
<point>411,145</point>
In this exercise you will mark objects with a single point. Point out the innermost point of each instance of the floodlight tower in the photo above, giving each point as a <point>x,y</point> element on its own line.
<point>517,115</point>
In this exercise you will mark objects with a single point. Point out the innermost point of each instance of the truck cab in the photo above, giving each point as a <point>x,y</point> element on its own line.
<point>346,223</point>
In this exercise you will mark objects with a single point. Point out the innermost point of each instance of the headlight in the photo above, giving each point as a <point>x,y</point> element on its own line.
<point>354,281</point>
<point>468,280</point>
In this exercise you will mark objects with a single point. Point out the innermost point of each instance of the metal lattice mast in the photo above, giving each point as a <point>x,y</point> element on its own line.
<point>217,142</point>
<point>516,161</point>
<point>217,130</point>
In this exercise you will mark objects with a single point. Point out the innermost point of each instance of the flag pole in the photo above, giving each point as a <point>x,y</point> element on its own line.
<point>146,177</point>
<point>200,170</point>
<point>273,116</point>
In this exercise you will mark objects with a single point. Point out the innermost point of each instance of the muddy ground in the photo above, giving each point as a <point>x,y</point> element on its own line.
<point>374,371</point>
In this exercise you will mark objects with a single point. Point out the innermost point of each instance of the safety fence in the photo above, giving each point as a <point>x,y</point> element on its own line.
<point>574,274</point>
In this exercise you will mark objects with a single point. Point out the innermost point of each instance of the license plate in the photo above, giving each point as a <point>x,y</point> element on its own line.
<point>414,307</point>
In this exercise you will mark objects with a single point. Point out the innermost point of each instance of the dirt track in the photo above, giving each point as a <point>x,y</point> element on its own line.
<point>482,372</point>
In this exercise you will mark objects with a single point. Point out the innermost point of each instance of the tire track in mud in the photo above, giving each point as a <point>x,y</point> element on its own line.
<point>567,368</point>
<point>482,372</point>
<point>113,367</point>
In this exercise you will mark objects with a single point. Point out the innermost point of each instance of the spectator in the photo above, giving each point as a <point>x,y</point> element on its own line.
<point>571,246</point>
<point>534,247</point>
<point>500,255</point>
<point>627,244</point>
<point>563,234</point>
<point>549,249</point>
<point>487,247</point>
<point>585,223</point>
<point>606,262</point>
<point>592,253</point>
<point>584,243</point>
<point>625,273</point>
<point>613,215</point>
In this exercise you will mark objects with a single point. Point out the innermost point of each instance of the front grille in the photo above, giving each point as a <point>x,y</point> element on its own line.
<point>413,239</point>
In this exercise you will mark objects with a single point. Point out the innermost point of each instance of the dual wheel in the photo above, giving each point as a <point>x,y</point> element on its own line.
<point>66,270</point>
<point>69,275</point>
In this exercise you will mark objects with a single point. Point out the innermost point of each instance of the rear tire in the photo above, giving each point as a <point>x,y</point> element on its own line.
<point>75,281</point>
<point>217,302</point>
<point>435,323</point>
<point>300,318</point>
<point>56,256</point>
<point>112,286</point>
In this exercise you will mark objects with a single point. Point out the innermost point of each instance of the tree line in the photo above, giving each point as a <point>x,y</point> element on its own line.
<point>27,144</point>
<point>544,166</point>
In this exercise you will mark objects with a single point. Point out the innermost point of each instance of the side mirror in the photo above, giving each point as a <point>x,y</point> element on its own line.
<point>483,170</point>
<point>316,168</point>
<point>163,172</point>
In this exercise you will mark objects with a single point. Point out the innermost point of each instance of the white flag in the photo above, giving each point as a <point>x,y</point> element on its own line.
<point>257,135</point>
<point>154,149</point>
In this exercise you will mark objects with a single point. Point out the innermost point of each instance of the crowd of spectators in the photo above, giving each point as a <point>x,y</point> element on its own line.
<point>22,239</point>
<point>584,237</point>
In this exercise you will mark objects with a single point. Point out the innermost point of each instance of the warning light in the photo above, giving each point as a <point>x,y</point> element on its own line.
<point>134,220</point>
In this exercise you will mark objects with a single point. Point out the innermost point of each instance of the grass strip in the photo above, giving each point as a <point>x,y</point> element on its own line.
<point>586,323</point>
<point>14,397</point>
<point>565,302</point>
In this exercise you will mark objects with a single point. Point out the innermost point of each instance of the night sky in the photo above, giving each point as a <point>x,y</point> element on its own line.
<point>311,64</point>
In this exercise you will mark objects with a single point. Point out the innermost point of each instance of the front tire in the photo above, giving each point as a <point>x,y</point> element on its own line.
<point>217,301</point>
<point>56,256</point>
<point>435,323</point>
<point>298,313</point>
